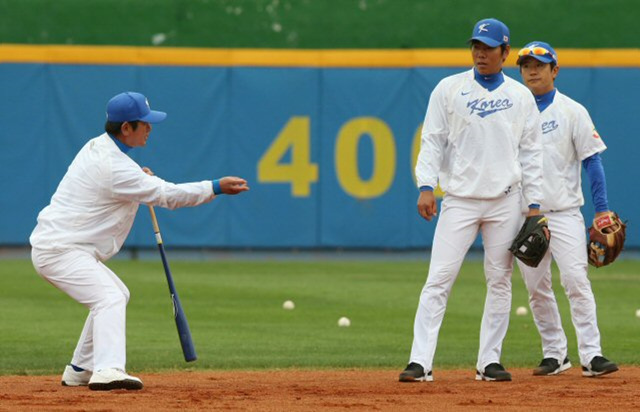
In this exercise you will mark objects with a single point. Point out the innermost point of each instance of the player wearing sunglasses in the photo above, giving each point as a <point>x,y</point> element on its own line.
<point>569,141</point>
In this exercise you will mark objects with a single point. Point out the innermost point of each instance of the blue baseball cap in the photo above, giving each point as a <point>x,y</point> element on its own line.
<point>491,32</point>
<point>540,51</point>
<point>130,106</point>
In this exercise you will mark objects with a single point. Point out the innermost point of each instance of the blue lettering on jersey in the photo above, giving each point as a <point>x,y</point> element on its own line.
<point>484,108</point>
<point>548,127</point>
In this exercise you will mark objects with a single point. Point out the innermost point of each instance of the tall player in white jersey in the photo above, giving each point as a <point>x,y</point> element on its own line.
<point>481,142</point>
<point>569,140</point>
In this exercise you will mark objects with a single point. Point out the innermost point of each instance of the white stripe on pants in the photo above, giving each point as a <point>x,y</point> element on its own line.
<point>102,343</point>
<point>568,247</point>
<point>460,220</point>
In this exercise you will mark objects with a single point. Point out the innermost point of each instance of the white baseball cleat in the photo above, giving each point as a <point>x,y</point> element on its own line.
<point>112,378</point>
<point>71,377</point>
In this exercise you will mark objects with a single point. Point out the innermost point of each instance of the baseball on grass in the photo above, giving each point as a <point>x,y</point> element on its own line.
<point>288,305</point>
<point>638,313</point>
<point>521,311</point>
<point>344,322</point>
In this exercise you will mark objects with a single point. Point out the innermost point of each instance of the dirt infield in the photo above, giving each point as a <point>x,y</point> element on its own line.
<point>297,390</point>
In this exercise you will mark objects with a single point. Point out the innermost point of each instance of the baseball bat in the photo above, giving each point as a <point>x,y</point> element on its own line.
<point>184,333</point>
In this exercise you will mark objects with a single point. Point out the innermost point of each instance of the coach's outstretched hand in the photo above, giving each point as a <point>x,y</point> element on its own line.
<point>232,185</point>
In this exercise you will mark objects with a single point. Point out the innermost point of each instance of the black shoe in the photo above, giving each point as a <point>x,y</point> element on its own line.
<point>415,373</point>
<point>599,365</point>
<point>551,366</point>
<point>493,372</point>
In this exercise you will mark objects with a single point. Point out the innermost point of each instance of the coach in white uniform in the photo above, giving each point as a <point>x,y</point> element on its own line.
<point>481,141</point>
<point>86,223</point>
<point>569,140</point>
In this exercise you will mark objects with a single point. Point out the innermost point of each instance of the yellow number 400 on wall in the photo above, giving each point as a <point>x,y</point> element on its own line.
<point>301,173</point>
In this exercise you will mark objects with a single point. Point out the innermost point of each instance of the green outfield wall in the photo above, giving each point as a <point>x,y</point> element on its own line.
<point>315,24</point>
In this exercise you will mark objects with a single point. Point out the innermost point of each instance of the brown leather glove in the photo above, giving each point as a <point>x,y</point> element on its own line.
<point>606,239</point>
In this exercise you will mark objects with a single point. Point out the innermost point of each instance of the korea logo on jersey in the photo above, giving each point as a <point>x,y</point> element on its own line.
<point>548,127</point>
<point>483,107</point>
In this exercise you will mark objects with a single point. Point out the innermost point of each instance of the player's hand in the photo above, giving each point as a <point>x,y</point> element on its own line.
<point>148,171</point>
<point>605,229</point>
<point>533,212</point>
<point>536,212</point>
<point>232,185</point>
<point>427,206</point>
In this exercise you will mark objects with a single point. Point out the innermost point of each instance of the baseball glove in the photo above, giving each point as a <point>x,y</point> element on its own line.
<point>606,239</point>
<point>531,243</point>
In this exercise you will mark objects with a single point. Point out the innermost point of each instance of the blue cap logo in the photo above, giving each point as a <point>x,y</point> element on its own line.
<point>131,106</point>
<point>491,32</point>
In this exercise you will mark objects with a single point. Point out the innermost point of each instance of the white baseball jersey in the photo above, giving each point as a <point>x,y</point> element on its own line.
<point>478,143</point>
<point>569,137</point>
<point>96,202</point>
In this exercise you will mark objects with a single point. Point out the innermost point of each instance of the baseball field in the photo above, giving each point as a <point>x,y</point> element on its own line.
<point>255,355</point>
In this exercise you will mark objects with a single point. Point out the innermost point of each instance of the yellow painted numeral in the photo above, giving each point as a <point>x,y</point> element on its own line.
<point>346,157</point>
<point>300,172</point>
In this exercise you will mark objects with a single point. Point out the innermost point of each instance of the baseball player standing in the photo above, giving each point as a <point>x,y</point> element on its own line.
<point>86,223</point>
<point>569,139</point>
<point>481,142</point>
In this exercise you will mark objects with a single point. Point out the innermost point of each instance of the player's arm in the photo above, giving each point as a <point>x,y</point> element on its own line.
<point>530,157</point>
<point>126,180</point>
<point>229,185</point>
<point>597,181</point>
<point>607,234</point>
<point>435,131</point>
<point>588,145</point>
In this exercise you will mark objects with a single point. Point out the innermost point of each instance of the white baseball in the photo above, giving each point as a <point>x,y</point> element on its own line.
<point>344,322</point>
<point>638,313</point>
<point>521,311</point>
<point>288,305</point>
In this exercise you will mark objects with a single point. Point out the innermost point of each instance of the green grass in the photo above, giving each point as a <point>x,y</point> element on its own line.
<point>237,321</point>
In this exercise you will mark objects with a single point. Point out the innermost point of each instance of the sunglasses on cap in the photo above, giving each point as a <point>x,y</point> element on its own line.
<point>538,51</point>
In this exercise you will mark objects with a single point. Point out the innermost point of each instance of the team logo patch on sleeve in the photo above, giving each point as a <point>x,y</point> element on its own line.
<point>595,134</point>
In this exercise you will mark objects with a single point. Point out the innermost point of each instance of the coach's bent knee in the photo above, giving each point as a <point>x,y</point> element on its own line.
<point>110,300</point>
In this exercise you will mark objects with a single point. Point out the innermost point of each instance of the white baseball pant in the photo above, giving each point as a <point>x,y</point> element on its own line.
<point>102,343</point>
<point>568,247</point>
<point>460,220</point>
